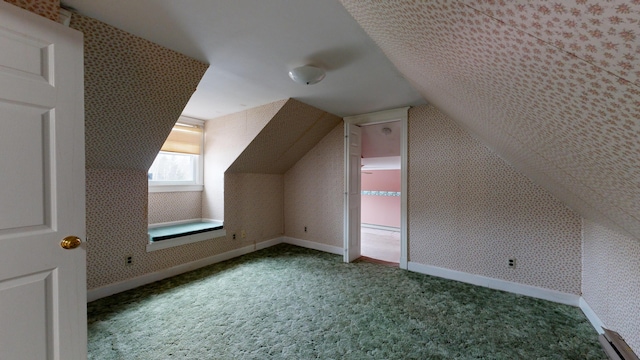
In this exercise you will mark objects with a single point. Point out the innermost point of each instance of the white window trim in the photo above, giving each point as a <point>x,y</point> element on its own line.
<point>175,188</point>
<point>160,187</point>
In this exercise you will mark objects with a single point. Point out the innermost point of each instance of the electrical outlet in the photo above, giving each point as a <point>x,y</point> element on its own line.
<point>305,229</point>
<point>129,260</point>
<point>233,236</point>
<point>243,234</point>
<point>512,263</point>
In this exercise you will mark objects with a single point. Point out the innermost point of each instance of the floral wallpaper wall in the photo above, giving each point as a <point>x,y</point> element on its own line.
<point>246,155</point>
<point>47,8</point>
<point>314,192</point>
<point>611,279</point>
<point>134,92</point>
<point>470,211</point>
<point>294,130</point>
<point>174,206</point>
<point>254,203</point>
<point>117,228</point>
<point>267,139</point>
<point>552,87</point>
<point>225,139</point>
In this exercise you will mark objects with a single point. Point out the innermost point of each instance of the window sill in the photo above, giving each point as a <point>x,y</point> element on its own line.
<point>180,239</point>
<point>174,188</point>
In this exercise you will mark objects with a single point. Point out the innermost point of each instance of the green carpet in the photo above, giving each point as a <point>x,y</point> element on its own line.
<point>287,302</point>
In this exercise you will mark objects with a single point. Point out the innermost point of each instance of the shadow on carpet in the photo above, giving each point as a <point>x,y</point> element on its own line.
<point>287,302</point>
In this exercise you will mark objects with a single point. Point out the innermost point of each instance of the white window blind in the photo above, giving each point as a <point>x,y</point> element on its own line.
<point>184,139</point>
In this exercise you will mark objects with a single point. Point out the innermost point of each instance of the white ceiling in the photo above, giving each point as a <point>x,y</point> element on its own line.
<point>252,44</point>
<point>378,143</point>
<point>381,163</point>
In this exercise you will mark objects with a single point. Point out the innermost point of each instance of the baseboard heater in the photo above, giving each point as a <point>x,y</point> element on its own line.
<point>615,347</point>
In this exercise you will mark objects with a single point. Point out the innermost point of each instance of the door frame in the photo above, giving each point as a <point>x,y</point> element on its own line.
<point>43,267</point>
<point>385,116</point>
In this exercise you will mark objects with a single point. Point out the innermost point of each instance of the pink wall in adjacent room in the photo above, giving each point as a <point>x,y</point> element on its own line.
<point>376,209</point>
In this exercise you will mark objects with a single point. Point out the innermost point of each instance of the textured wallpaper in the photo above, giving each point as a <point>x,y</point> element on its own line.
<point>552,87</point>
<point>254,203</point>
<point>225,139</point>
<point>117,228</point>
<point>116,224</point>
<point>47,8</point>
<point>294,130</point>
<point>174,206</point>
<point>470,211</point>
<point>611,279</point>
<point>135,91</point>
<point>314,192</point>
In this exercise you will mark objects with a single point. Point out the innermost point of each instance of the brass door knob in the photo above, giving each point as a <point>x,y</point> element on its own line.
<point>70,242</point>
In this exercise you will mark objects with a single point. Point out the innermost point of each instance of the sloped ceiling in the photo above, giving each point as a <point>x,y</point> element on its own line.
<point>294,130</point>
<point>554,88</point>
<point>135,91</point>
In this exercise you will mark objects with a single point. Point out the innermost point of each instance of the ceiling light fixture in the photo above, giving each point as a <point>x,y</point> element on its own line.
<point>307,75</point>
<point>386,130</point>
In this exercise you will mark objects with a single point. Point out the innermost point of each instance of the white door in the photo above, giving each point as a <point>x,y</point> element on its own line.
<point>42,191</point>
<point>352,222</point>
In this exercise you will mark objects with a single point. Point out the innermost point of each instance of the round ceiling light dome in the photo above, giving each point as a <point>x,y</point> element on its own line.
<point>307,75</point>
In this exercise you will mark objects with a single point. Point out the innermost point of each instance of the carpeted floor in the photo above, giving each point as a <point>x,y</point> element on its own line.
<point>287,302</point>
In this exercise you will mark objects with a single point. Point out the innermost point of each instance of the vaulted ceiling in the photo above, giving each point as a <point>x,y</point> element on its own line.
<point>552,87</point>
<point>252,44</point>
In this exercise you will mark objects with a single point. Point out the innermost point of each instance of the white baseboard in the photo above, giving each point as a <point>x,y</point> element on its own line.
<point>497,284</point>
<point>107,290</point>
<point>269,243</point>
<point>314,245</point>
<point>591,315</point>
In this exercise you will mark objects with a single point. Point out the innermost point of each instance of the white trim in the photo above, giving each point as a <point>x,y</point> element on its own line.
<point>378,116</point>
<point>178,222</point>
<point>402,115</point>
<point>591,315</point>
<point>185,239</point>
<point>497,284</point>
<point>313,245</point>
<point>345,215</point>
<point>107,290</point>
<point>381,227</point>
<point>198,184</point>
<point>404,180</point>
<point>268,243</point>
<point>174,188</point>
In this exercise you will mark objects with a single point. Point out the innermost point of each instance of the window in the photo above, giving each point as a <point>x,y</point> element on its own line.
<point>178,166</point>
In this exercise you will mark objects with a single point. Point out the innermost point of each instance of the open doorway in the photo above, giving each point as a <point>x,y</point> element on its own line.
<point>380,191</point>
<point>354,126</point>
